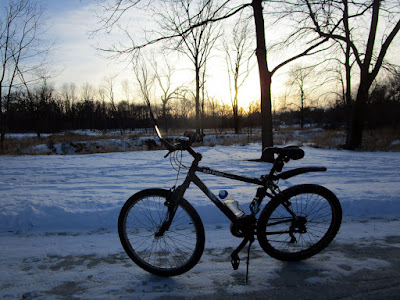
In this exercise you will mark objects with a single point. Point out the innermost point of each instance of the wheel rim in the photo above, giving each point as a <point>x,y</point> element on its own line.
<point>291,235</point>
<point>172,250</point>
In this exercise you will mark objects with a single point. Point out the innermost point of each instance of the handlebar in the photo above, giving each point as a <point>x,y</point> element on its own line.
<point>183,144</point>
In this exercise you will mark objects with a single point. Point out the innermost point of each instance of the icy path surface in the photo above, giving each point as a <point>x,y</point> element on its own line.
<point>363,262</point>
<point>86,192</point>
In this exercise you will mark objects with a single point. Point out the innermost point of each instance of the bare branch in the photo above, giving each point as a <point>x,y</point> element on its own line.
<point>183,28</point>
<point>302,54</point>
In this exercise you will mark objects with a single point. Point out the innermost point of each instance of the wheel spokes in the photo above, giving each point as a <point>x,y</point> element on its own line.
<point>289,234</point>
<point>171,250</point>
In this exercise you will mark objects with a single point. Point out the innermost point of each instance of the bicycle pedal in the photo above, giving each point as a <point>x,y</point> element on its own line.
<point>235,261</point>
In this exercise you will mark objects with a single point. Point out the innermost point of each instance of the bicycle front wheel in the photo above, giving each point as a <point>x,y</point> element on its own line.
<point>177,250</point>
<point>303,229</point>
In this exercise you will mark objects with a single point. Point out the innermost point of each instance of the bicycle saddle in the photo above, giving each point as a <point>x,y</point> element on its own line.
<point>292,152</point>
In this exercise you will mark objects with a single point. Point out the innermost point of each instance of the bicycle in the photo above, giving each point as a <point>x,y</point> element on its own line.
<point>163,234</point>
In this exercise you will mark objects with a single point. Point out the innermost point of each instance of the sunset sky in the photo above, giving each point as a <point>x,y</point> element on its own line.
<point>75,59</point>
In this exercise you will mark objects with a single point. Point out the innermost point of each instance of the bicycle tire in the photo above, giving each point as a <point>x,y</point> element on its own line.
<point>177,250</point>
<point>315,205</point>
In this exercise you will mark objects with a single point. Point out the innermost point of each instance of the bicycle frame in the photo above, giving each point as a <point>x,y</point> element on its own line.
<point>192,177</point>
<point>266,182</point>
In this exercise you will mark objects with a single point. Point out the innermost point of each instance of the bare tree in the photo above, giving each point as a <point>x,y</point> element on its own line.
<point>126,89</point>
<point>145,80</point>
<point>68,96</point>
<point>21,49</point>
<point>213,111</point>
<point>238,53</point>
<point>109,87</point>
<point>191,22</point>
<point>332,20</point>
<point>298,80</point>
<point>195,44</point>
<point>37,102</point>
<point>101,92</point>
<point>87,95</point>
<point>164,79</point>
<point>185,103</point>
<point>87,92</point>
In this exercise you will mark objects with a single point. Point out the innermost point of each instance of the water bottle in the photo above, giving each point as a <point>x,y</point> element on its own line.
<point>231,204</point>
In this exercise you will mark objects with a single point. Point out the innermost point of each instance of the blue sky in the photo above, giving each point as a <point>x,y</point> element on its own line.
<point>55,6</point>
<point>73,58</point>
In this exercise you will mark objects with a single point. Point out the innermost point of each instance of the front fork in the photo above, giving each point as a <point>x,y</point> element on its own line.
<point>172,204</point>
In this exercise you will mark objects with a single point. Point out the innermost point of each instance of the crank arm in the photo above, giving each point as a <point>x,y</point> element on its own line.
<point>235,257</point>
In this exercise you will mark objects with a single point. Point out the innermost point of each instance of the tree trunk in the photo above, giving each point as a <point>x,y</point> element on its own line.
<point>347,96</point>
<point>164,113</point>
<point>236,122</point>
<point>302,110</point>
<point>2,127</point>
<point>236,110</point>
<point>354,134</point>
<point>2,136</point>
<point>197,100</point>
<point>265,81</point>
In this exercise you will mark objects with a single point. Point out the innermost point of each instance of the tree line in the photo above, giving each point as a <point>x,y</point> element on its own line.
<point>46,110</point>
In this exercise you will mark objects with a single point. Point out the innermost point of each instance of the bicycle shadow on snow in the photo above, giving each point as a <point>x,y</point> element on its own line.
<point>214,275</point>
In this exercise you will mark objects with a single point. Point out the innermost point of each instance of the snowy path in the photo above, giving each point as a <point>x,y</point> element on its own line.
<point>363,261</point>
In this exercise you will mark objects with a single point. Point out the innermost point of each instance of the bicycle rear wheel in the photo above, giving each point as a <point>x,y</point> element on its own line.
<point>177,250</point>
<point>316,221</point>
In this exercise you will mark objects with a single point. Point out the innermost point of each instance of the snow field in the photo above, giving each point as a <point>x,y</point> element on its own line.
<point>86,192</point>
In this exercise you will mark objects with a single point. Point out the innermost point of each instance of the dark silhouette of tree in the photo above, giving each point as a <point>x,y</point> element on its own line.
<point>21,50</point>
<point>238,52</point>
<point>332,20</point>
<point>195,44</point>
<point>168,91</point>
<point>298,80</point>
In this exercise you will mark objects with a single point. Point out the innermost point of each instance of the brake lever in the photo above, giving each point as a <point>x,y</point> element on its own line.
<point>176,147</point>
<point>169,152</point>
<point>181,145</point>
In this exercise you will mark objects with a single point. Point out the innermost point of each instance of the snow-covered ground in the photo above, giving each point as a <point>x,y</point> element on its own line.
<point>58,219</point>
<point>86,192</point>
